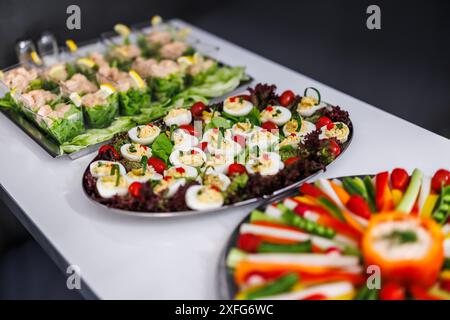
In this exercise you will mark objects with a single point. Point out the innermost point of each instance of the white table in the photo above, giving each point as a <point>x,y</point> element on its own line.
<point>125,257</point>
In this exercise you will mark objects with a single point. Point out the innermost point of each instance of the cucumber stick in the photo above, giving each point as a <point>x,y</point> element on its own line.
<point>411,193</point>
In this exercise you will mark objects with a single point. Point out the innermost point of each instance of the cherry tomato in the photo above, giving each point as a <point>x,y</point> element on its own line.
<point>106,148</point>
<point>286,98</point>
<point>440,178</point>
<point>323,121</point>
<point>334,148</point>
<point>135,189</point>
<point>445,285</point>
<point>189,129</point>
<point>399,179</point>
<point>248,242</point>
<point>291,160</point>
<point>239,139</point>
<point>236,168</point>
<point>316,296</point>
<point>203,145</point>
<point>392,291</point>
<point>157,164</point>
<point>269,126</point>
<point>197,109</point>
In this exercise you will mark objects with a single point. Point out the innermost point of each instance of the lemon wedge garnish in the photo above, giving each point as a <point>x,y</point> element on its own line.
<point>137,79</point>
<point>2,75</point>
<point>76,99</point>
<point>86,62</point>
<point>122,29</point>
<point>35,57</point>
<point>156,20</point>
<point>197,58</point>
<point>71,45</point>
<point>186,61</point>
<point>107,88</point>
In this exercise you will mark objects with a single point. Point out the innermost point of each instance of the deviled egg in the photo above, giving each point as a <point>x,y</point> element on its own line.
<point>338,131</point>
<point>244,129</point>
<point>263,139</point>
<point>212,178</point>
<point>183,140</point>
<point>110,186</point>
<point>219,162</point>
<point>194,157</point>
<point>169,186</point>
<point>181,172</point>
<point>309,105</point>
<point>135,151</point>
<point>102,168</point>
<point>144,134</point>
<point>203,198</point>
<point>291,140</point>
<point>139,175</point>
<point>276,114</point>
<point>267,164</point>
<point>178,117</point>
<point>292,126</point>
<point>237,106</point>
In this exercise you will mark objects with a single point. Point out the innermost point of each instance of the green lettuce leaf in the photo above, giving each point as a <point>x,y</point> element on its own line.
<point>133,100</point>
<point>101,116</point>
<point>162,147</point>
<point>165,88</point>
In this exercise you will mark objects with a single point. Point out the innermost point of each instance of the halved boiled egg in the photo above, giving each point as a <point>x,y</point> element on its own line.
<point>203,198</point>
<point>291,140</point>
<point>309,105</point>
<point>178,117</point>
<point>267,164</point>
<point>110,186</point>
<point>181,172</point>
<point>139,175</point>
<point>292,126</point>
<point>183,140</point>
<point>169,185</point>
<point>339,131</point>
<point>263,139</point>
<point>237,106</point>
<point>212,178</point>
<point>103,168</point>
<point>244,129</point>
<point>194,157</point>
<point>219,162</point>
<point>276,114</point>
<point>135,151</point>
<point>144,134</point>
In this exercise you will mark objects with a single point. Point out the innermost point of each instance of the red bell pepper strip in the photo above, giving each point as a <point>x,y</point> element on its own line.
<point>310,190</point>
<point>248,242</point>
<point>383,196</point>
<point>358,205</point>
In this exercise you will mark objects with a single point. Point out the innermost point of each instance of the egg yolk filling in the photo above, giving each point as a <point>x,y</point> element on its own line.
<point>147,131</point>
<point>103,168</point>
<point>194,159</point>
<point>307,103</point>
<point>213,180</point>
<point>112,182</point>
<point>209,195</point>
<point>137,149</point>
<point>339,130</point>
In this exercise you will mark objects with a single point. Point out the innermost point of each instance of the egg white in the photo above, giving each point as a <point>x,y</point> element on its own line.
<point>238,132</point>
<point>173,187</point>
<point>193,203</point>
<point>133,157</point>
<point>219,162</point>
<point>133,134</point>
<point>283,116</point>
<point>95,164</point>
<point>263,139</point>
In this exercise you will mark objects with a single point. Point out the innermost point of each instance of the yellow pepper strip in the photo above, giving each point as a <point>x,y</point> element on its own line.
<point>347,296</point>
<point>396,196</point>
<point>305,200</point>
<point>428,207</point>
<point>445,275</point>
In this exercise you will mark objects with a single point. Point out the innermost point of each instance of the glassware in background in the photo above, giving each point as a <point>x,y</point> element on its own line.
<point>48,48</point>
<point>26,53</point>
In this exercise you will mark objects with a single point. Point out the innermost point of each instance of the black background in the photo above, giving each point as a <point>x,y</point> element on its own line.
<point>403,68</point>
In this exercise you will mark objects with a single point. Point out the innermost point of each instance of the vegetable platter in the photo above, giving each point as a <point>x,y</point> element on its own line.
<point>383,236</point>
<point>90,95</point>
<point>249,148</point>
